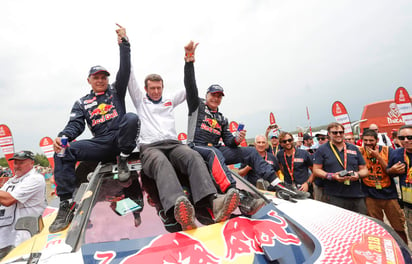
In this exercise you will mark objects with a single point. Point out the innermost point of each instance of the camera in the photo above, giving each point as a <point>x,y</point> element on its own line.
<point>346,173</point>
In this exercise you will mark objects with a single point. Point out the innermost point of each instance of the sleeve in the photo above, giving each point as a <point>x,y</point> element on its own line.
<point>276,165</point>
<point>135,92</point>
<point>192,92</point>
<point>28,188</point>
<point>318,157</point>
<point>227,136</point>
<point>123,74</point>
<point>179,97</point>
<point>308,159</point>
<point>361,160</point>
<point>76,124</point>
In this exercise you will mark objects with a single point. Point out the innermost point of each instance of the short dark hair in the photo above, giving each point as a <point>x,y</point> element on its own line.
<point>335,124</point>
<point>404,127</point>
<point>370,133</point>
<point>153,78</point>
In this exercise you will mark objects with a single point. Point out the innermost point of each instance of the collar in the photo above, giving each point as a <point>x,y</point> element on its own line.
<point>153,101</point>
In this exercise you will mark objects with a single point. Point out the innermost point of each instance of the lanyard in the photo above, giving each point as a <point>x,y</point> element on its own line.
<point>276,151</point>
<point>290,170</point>
<point>407,161</point>
<point>345,155</point>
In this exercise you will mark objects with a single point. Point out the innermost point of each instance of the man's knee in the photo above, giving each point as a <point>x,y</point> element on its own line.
<point>131,119</point>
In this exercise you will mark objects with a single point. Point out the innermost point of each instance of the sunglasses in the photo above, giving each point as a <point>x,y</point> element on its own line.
<point>403,137</point>
<point>286,140</point>
<point>337,132</point>
<point>321,138</point>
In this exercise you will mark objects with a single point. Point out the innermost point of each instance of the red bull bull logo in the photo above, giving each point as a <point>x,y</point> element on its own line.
<point>211,125</point>
<point>173,248</point>
<point>244,236</point>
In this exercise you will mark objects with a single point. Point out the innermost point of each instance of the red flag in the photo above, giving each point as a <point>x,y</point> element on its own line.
<point>7,145</point>
<point>272,118</point>
<point>310,127</point>
<point>341,116</point>
<point>403,101</point>
<point>46,144</point>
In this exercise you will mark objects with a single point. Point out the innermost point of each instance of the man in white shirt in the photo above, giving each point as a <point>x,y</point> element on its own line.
<point>168,162</point>
<point>383,139</point>
<point>22,195</point>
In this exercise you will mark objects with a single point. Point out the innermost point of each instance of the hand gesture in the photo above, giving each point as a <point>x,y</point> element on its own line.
<point>121,33</point>
<point>190,49</point>
<point>374,152</point>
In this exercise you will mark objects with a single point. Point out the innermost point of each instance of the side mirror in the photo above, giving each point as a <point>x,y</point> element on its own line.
<point>33,224</point>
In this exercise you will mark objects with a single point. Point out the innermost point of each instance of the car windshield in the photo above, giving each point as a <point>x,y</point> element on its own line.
<point>108,224</point>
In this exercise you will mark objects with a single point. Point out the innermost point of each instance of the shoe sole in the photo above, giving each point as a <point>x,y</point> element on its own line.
<point>230,203</point>
<point>184,213</point>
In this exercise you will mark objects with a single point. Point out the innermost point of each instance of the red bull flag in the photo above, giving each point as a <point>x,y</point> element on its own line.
<point>182,137</point>
<point>6,144</point>
<point>403,102</point>
<point>341,116</point>
<point>46,144</point>
<point>233,128</point>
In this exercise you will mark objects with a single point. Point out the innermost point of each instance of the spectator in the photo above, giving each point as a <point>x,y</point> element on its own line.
<point>342,165</point>
<point>399,164</point>
<point>272,134</point>
<point>396,143</point>
<point>114,130</point>
<point>380,188</point>
<point>321,138</point>
<point>260,146</point>
<point>295,164</point>
<point>383,139</point>
<point>22,195</point>
<point>349,138</point>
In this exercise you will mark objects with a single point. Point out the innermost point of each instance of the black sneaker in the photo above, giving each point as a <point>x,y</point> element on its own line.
<point>225,204</point>
<point>250,204</point>
<point>64,217</point>
<point>122,169</point>
<point>185,213</point>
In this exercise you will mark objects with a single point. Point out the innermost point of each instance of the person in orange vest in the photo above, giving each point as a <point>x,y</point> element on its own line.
<point>379,187</point>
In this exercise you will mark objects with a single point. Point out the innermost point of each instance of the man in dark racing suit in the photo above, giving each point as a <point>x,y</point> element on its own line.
<point>207,126</point>
<point>114,131</point>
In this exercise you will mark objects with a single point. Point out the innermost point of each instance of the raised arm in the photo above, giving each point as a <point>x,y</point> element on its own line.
<point>123,74</point>
<point>192,94</point>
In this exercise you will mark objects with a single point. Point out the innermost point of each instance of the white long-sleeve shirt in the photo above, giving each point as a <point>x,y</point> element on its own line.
<point>157,119</point>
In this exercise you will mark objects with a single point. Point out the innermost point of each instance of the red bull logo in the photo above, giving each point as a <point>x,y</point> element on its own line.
<point>102,109</point>
<point>245,236</point>
<point>173,248</point>
<point>211,125</point>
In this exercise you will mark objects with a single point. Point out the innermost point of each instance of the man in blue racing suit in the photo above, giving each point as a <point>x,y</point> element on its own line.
<point>207,126</point>
<point>114,131</point>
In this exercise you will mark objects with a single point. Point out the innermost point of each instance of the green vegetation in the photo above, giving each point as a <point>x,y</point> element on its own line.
<point>39,159</point>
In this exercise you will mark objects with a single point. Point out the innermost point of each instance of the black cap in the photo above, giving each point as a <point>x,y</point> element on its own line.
<point>215,88</point>
<point>23,155</point>
<point>97,69</point>
<point>306,136</point>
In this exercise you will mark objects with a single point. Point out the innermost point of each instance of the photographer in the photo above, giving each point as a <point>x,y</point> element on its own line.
<point>342,165</point>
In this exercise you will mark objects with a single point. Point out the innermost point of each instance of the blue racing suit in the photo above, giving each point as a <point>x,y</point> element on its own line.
<point>113,129</point>
<point>206,128</point>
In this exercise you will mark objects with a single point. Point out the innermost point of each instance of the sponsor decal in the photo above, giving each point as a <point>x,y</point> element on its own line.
<point>90,100</point>
<point>173,248</point>
<point>103,110</point>
<point>105,257</point>
<point>373,249</point>
<point>87,106</point>
<point>210,129</point>
<point>298,160</point>
<point>244,235</point>
<point>168,103</point>
<point>352,152</point>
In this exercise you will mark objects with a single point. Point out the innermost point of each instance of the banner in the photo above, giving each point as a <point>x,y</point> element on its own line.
<point>233,129</point>
<point>46,144</point>
<point>310,127</point>
<point>272,118</point>
<point>182,137</point>
<point>341,116</point>
<point>403,102</point>
<point>7,145</point>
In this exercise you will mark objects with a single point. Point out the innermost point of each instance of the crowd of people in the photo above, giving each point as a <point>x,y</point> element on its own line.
<point>336,169</point>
